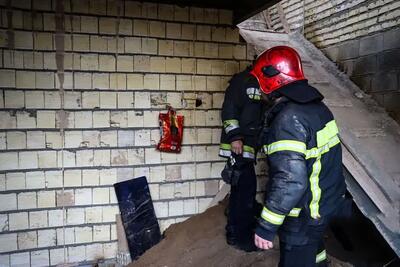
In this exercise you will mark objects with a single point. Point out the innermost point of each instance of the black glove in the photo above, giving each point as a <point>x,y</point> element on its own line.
<point>231,173</point>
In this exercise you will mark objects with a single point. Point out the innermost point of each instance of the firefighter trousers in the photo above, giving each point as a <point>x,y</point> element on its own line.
<point>301,243</point>
<point>240,218</point>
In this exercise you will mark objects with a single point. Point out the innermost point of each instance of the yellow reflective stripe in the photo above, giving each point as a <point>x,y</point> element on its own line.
<point>230,125</point>
<point>225,146</point>
<point>317,151</point>
<point>286,145</point>
<point>231,122</point>
<point>295,212</point>
<point>225,151</point>
<point>315,189</point>
<point>314,177</point>
<point>321,256</point>
<point>300,147</point>
<point>245,147</point>
<point>248,152</point>
<point>248,149</point>
<point>272,217</point>
<point>329,131</point>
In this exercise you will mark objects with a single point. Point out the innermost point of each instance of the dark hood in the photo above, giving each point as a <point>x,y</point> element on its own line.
<point>300,92</point>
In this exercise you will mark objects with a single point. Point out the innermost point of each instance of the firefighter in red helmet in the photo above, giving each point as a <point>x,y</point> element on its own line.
<point>306,186</point>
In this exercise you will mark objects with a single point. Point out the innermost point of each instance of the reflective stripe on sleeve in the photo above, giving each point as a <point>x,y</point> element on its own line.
<point>225,146</point>
<point>321,256</point>
<point>248,152</point>
<point>272,217</point>
<point>248,155</point>
<point>248,149</point>
<point>300,147</point>
<point>286,145</point>
<point>295,212</point>
<point>230,125</point>
<point>225,151</point>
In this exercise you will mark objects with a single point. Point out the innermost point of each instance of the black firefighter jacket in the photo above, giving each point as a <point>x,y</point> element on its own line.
<point>241,115</point>
<point>305,164</point>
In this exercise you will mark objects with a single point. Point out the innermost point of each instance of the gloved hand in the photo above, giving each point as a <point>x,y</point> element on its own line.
<point>231,172</point>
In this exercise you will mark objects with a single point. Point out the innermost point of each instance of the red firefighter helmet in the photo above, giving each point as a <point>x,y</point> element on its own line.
<point>276,67</point>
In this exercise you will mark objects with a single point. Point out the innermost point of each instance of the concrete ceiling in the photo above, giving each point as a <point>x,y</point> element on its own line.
<point>242,9</point>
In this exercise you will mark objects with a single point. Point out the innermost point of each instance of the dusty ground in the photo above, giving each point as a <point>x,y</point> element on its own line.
<point>200,241</point>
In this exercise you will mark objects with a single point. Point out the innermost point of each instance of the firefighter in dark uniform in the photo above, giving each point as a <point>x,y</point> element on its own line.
<point>241,117</point>
<point>306,186</point>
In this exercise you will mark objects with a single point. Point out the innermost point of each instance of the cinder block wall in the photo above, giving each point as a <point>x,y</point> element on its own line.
<point>121,67</point>
<point>362,37</point>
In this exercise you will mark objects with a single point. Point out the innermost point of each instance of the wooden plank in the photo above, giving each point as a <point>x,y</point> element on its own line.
<point>258,38</point>
<point>267,18</point>
<point>121,237</point>
<point>282,17</point>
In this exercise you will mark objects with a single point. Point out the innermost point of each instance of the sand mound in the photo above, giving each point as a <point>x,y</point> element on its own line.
<point>200,241</point>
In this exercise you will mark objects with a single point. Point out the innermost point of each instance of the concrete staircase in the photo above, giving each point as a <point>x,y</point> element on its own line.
<point>370,138</point>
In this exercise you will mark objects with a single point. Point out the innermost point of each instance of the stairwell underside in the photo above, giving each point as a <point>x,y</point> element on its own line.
<point>370,138</point>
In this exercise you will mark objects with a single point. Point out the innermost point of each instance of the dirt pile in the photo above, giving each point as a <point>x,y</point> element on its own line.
<point>200,241</point>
